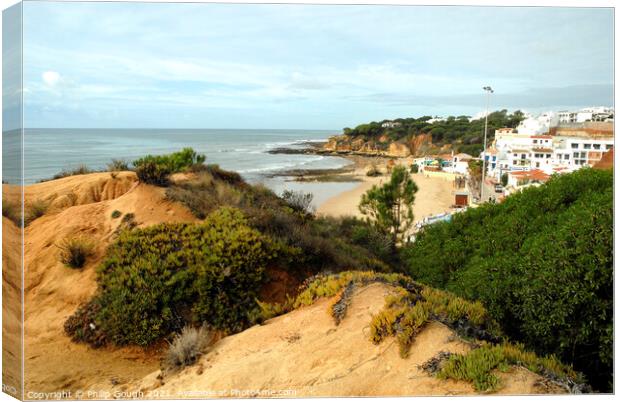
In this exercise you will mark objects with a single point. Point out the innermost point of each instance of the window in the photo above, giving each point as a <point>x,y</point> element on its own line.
<point>566,156</point>
<point>583,154</point>
<point>548,155</point>
<point>597,146</point>
<point>522,156</point>
<point>574,146</point>
<point>514,162</point>
<point>535,141</point>
<point>537,164</point>
<point>608,146</point>
<point>575,154</point>
<point>515,155</point>
<point>587,146</point>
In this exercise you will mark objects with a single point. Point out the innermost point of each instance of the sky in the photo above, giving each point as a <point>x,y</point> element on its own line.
<point>153,65</point>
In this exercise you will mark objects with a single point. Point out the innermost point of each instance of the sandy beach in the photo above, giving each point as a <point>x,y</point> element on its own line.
<point>434,196</point>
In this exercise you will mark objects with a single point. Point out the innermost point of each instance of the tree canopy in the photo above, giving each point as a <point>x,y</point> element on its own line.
<point>541,262</point>
<point>466,134</point>
<point>390,206</point>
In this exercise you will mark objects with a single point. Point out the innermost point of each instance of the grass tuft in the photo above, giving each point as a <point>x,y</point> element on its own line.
<point>12,211</point>
<point>34,210</point>
<point>116,214</point>
<point>118,165</point>
<point>75,251</point>
<point>187,347</point>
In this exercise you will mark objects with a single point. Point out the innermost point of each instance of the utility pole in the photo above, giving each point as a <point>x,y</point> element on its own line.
<point>489,91</point>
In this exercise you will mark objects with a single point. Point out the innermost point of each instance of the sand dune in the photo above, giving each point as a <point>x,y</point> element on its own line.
<point>305,354</point>
<point>53,291</point>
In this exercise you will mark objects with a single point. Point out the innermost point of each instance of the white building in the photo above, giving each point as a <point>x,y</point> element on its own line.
<point>459,164</point>
<point>537,125</point>
<point>513,152</point>
<point>391,124</point>
<point>598,113</point>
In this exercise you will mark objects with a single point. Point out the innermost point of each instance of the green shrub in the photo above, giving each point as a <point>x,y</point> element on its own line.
<point>116,214</point>
<point>477,366</point>
<point>153,173</point>
<point>74,251</point>
<point>414,168</point>
<point>156,169</point>
<point>154,281</point>
<point>320,243</point>
<point>542,264</point>
<point>406,312</point>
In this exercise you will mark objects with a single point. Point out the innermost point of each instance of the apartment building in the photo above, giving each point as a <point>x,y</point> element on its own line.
<point>520,152</point>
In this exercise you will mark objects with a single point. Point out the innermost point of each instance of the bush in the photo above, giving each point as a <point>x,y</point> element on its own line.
<point>226,176</point>
<point>118,165</point>
<point>153,173</point>
<point>12,211</point>
<point>116,214</point>
<point>316,243</point>
<point>34,210</point>
<point>477,366</point>
<point>74,251</point>
<point>542,264</point>
<point>187,347</point>
<point>156,169</point>
<point>414,168</point>
<point>299,201</point>
<point>156,280</point>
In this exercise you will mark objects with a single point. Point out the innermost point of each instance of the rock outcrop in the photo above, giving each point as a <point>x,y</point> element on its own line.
<point>384,146</point>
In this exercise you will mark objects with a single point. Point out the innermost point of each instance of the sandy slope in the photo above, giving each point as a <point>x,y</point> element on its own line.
<point>11,307</point>
<point>80,205</point>
<point>304,353</point>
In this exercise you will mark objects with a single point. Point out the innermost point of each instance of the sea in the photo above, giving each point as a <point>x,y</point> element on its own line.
<point>49,151</point>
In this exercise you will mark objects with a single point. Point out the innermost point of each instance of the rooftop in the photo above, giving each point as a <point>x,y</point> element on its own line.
<point>535,174</point>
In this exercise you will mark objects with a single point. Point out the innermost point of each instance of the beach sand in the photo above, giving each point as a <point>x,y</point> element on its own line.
<point>434,196</point>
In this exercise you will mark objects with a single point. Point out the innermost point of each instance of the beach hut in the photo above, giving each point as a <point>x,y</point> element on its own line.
<point>461,199</point>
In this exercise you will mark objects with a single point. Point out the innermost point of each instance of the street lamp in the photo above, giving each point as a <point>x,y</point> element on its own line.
<point>489,91</point>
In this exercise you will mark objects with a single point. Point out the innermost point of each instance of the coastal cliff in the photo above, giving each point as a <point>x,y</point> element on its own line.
<point>383,146</point>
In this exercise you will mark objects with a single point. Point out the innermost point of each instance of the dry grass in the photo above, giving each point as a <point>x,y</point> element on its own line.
<point>34,210</point>
<point>12,211</point>
<point>187,347</point>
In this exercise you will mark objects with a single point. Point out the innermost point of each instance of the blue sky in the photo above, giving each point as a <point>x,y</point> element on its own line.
<point>293,66</point>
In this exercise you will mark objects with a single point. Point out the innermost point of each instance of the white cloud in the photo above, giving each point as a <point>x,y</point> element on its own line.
<point>51,78</point>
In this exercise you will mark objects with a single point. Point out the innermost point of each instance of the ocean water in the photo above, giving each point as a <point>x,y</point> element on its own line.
<point>48,151</point>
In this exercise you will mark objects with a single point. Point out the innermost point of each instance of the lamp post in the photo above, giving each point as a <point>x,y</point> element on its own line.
<point>489,91</point>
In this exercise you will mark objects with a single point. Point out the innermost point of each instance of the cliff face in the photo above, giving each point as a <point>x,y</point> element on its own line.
<point>384,146</point>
